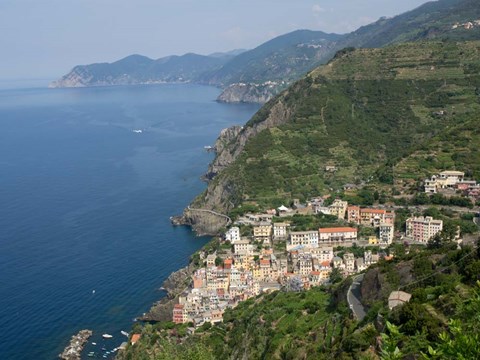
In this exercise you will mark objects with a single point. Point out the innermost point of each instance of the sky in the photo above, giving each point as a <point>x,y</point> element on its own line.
<point>46,38</point>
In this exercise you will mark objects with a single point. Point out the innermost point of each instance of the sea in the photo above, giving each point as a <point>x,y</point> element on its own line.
<point>88,180</point>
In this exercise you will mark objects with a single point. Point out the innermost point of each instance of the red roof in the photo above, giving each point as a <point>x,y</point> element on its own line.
<point>178,306</point>
<point>264,262</point>
<point>337,229</point>
<point>353,208</point>
<point>325,263</point>
<point>315,272</point>
<point>228,261</point>
<point>374,211</point>
<point>135,338</point>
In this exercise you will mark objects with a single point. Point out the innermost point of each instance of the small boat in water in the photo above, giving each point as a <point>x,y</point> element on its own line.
<point>138,131</point>
<point>107,336</point>
<point>94,343</point>
<point>124,333</point>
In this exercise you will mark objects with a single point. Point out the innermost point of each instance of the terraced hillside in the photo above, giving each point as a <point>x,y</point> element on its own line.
<point>375,114</point>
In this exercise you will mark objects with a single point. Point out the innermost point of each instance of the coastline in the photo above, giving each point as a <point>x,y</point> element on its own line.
<point>176,283</point>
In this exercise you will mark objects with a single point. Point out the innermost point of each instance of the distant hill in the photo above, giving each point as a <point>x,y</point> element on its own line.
<point>289,56</point>
<point>285,57</point>
<point>137,69</point>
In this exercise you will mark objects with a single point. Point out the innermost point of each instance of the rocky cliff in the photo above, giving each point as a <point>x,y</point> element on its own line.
<point>223,190</point>
<point>249,93</point>
<point>174,285</point>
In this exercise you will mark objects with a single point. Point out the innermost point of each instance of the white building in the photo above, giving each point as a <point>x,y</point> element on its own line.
<point>242,247</point>
<point>233,234</point>
<point>349,260</point>
<point>338,236</point>
<point>386,233</point>
<point>303,239</point>
<point>324,253</point>
<point>446,179</point>
<point>280,231</point>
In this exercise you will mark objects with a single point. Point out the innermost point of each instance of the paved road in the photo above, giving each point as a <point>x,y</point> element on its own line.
<point>353,298</point>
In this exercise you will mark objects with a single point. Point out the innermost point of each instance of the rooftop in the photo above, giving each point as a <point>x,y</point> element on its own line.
<point>337,229</point>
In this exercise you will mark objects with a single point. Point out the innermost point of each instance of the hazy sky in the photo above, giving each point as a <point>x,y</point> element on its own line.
<point>46,38</point>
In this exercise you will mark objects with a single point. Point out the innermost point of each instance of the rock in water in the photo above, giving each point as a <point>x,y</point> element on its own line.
<point>74,350</point>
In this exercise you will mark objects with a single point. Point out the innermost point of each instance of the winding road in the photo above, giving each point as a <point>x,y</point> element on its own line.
<point>353,298</point>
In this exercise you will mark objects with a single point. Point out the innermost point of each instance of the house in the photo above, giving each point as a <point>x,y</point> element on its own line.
<point>211,259</point>
<point>360,264</point>
<point>135,338</point>
<point>338,208</point>
<point>353,214</point>
<point>307,239</point>
<point>444,180</point>
<point>284,211</point>
<point>262,231</point>
<point>338,263</point>
<point>280,231</point>
<point>372,217</point>
<point>179,314</point>
<point>324,253</point>
<point>304,265</point>
<point>386,233</point>
<point>349,261</point>
<point>337,236</point>
<point>398,298</point>
<point>422,229</point>
<point>430,185</point>
<point>233,234</point>
<point>242,247</point>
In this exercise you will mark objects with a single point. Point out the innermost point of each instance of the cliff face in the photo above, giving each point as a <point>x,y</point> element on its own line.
<point>248,93</point>
<point>377,285</point>
<point>222,190</point>
<point>174,285</point>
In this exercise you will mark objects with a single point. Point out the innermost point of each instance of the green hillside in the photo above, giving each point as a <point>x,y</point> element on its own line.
<point>373,113</point>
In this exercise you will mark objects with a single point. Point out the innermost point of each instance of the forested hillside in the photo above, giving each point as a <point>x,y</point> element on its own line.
<point>374,114</point>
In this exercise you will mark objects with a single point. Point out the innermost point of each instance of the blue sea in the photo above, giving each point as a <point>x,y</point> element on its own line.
<point>85,237</point>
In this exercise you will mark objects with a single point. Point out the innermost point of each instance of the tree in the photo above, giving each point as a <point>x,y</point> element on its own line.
<point>335,276</point>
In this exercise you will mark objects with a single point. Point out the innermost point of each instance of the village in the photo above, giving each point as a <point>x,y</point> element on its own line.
<point>264,252</point>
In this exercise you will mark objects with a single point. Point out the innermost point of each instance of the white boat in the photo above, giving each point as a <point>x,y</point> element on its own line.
<point>107,336</point>
<point>124,333</point>
<point>93,343</point>
<point>138,131</point>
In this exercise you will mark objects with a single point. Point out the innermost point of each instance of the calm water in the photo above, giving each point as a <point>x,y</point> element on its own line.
<point>85,203</point>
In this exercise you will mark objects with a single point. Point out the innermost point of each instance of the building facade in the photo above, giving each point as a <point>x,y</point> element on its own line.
<point>337,236</point>
<point>422,229</point>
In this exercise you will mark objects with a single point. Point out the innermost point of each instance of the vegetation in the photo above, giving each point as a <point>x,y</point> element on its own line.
<point>371,112</point>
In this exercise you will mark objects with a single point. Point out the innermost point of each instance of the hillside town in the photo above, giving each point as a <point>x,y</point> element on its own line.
<point>265,252</point>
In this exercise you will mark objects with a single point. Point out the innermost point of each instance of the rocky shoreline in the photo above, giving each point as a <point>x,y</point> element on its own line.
<point>73,351</point>
<point>174,285</point>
